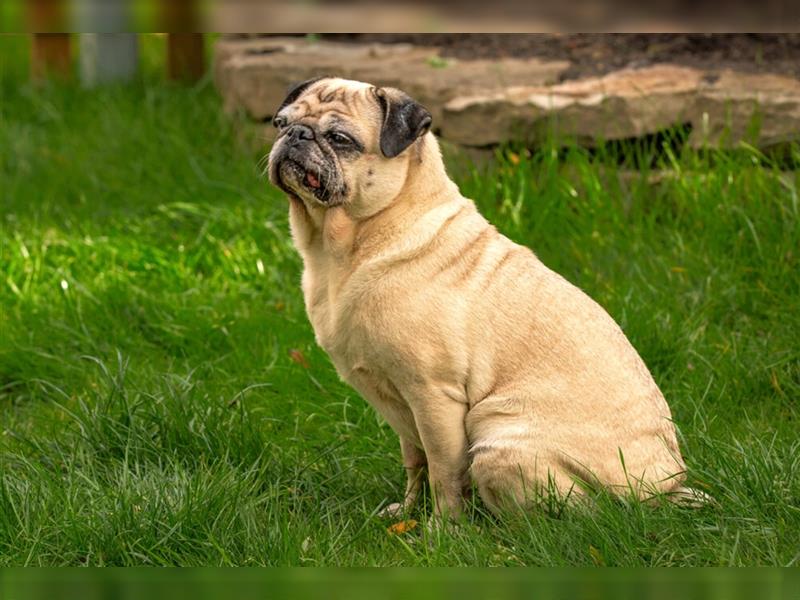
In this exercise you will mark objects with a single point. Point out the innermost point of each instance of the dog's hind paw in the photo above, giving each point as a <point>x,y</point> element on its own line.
<point>690,497</point>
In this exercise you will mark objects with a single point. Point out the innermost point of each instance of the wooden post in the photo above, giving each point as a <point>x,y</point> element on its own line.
<point>50,50</point>
<point>51,56</point>
<point>185,56</point>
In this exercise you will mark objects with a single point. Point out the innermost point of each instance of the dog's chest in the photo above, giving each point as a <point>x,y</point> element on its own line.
<point>337,317</point>
<point>357,346</point>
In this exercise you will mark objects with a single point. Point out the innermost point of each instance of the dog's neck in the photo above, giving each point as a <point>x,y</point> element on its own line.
<point>426,187</point>
<point>427,183</point>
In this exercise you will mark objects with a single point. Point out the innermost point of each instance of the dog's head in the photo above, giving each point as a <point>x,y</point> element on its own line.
<point>345,142</point>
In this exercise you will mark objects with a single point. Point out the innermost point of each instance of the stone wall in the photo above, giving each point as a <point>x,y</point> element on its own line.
<point>484,102</point>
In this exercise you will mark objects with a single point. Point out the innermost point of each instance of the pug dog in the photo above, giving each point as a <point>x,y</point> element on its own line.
<point>492,369</point>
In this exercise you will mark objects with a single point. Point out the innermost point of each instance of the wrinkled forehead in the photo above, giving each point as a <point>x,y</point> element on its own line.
<point>336,100</point>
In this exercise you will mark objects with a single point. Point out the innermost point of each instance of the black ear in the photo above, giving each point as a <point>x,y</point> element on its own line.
<point>295,91</point>
<point>404,120</point>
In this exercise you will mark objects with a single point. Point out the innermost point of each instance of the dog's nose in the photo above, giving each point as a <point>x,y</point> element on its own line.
<point>300,132</point>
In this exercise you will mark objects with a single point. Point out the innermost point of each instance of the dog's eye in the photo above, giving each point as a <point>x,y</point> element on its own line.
<point>279,122</point>
<point>339,138</point>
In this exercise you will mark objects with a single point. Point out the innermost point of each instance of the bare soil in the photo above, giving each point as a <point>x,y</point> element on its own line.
<point>596,54</point>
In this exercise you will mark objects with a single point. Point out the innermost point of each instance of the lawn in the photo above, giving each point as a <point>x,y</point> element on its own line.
<point>162,400</point>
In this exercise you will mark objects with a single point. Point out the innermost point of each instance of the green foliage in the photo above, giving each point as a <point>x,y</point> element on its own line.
<point>154,404</point>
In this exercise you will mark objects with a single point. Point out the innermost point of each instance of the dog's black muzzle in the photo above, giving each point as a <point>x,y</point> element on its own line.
<point>302,164</point>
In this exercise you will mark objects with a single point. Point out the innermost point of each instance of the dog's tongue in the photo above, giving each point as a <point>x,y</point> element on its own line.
<point>312,180</point>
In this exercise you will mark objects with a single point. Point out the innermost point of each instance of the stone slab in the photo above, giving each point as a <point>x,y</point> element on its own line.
<point>254,74</point>
<point>725,108</point>
<point>485,102</point>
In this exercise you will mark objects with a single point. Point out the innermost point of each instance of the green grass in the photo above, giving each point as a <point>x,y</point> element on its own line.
<point>154,404</point>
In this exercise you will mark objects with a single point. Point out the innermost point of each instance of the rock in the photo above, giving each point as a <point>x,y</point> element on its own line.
<point>631,103</point>
<point>623,104</point>
<point>254,74</point>
<point>762,109</point>
<point>485,102</point>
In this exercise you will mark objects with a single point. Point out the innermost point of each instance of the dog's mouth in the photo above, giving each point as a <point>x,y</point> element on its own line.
<point>311,181</point>
<point>297,178</point>
<point>306,177</point>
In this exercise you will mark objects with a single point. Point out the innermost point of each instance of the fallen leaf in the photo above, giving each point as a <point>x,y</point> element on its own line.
<point>401,527</point>
<point>298,357</point>
<point>597,556</point>
<point>773,378</point>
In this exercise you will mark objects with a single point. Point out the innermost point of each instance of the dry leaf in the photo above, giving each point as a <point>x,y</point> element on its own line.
<point>401,527</point>
<point>597,556</point>
<point>773,379</point>
<point>298,357</point>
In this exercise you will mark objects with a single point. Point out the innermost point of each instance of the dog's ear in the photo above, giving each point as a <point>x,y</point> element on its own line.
<point>404,120</point>
<point>295,91</point>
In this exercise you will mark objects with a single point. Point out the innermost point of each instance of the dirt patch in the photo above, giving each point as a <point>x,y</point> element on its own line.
<point>598,54</point>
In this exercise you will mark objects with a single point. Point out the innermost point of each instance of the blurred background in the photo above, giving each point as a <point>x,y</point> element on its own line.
<point>457,16</point>
<point>482,89</point>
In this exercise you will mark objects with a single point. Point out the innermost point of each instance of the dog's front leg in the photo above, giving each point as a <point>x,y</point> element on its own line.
<point>440,422</point>
<point>414,462</point>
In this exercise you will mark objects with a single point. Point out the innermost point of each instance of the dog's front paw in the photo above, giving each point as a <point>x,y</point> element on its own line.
<point>395,509</point>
